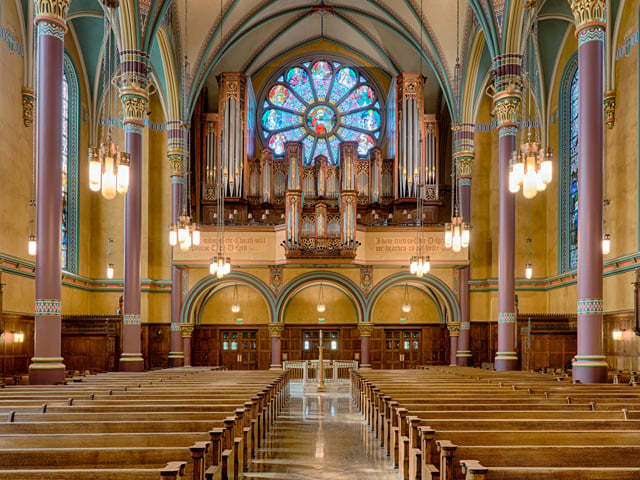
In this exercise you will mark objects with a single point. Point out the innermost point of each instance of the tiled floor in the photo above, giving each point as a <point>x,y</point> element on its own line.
<point>318,437</point>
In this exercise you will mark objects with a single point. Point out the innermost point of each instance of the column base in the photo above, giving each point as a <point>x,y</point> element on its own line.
<point>506,361</point>
<point>46,371</point>
<point>176,359</point>
<point>131,362</point>
<point>275,366</point>
<point>365,366</point>
<point>590,369</point>
<point>463,358</point>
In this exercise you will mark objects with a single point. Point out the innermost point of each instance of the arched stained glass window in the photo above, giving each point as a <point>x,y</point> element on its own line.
<point>569,127</point>
<point>69,159</point>
<point>321,103</point>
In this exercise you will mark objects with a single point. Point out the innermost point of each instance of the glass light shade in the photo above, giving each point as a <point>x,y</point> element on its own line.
<point>518,172</point>
<point>95,170</point>
<point>235,308</point>
<point>514,187</point>
<point>321,307</point>
<point>110,271</point>
<point>606,244</point>
<point>186,245</point>
<point>540,185</point>
<point>220,273</point>
<point>448,235</point>
<point>227,266</point>
<point>530,184</point>
<point>528,271</point>
<point>413,267</point>
<point>406,307</point>
<point>419,273</point>
<point>31,248</point>
<point>464,240</point>
<point>547,171</point>
<point>213,266</point>
<point>456,241</point>
<point>173,235</point>
<point>195,236</point>
<point>123,173</point>
<point>109,180</point>
<point>183,232</point>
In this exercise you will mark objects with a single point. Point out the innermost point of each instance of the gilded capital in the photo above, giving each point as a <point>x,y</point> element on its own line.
<point>176,162</point>
<point>28,102</point>
<point>52,10</point>
<point>464,163</point>
<point>276,329</point>
<point>454,329</point>
<point>134,104</point>
<point>610,108</point>
<point>507,107</point>
<point>187,329</point>
<point>588,13</point>
<point>365,329</point>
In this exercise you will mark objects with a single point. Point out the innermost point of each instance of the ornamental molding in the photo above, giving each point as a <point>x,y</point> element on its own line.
<point>464,167</point>
<point>507,107</point>
<point>365,329</point>
<point>276,329</point>
<point>51,10</point>
<point>454,329</point>
<point>134,104</point>
<point>187,329</point>
<point>588,12</point>
<point>610,108</point>
<point>28,103</point>
<point>176,162</point>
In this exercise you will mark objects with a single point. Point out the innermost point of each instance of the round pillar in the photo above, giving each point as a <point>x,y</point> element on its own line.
<point>46,366</point>
<point>454,333</point>
<point>275,331</point>
<point>365,330</point>
<point>186,329</point>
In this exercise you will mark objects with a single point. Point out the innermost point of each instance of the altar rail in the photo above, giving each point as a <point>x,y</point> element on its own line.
<point>337,371</point>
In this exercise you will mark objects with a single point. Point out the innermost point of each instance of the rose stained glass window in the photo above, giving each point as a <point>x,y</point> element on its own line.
<point>321,104</point>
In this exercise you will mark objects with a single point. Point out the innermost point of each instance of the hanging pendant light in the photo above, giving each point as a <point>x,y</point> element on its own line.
<point>528,271</point>
<point>110,265</point>
<point>235,307</point>
<point>108,166</point>
<point>321,307</point>
<point>606,244</point>
<point>406,306</point>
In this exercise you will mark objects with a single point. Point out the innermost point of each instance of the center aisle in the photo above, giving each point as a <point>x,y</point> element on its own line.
<point>321,436</point>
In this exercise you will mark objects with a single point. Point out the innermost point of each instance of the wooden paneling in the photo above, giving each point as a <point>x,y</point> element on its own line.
<point>248,346</point>
<point>91,342</point>
<point>15,357</point>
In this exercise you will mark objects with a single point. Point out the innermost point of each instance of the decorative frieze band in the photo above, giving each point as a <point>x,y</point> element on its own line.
<point>46,307</point>
<point>131,319</point>
<point>175,327</point>
<point>48,28</point>
<point>465,325</point>
<point>506,317</point>
<point>589,306</point>
<point>28,102</point>
<point>464,182</point>
<point>133,128</point>
<point>507,132</point>
<point>590,34</point>
<point>610,108</point>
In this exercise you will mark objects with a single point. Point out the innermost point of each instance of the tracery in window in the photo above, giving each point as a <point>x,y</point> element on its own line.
<point>321,103</point>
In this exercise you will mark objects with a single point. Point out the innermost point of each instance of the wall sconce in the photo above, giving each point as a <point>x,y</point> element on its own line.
<point>617,334</point>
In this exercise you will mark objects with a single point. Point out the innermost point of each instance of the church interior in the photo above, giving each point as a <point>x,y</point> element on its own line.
<point>231,178</point>
<point>319,239</point>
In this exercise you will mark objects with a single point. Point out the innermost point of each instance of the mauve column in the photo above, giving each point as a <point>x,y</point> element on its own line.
<point>275,331</point>
<point>365,330</point>
<point>186,330</point>
<point>454,334</point>
<point>590,364</point>
<point>464,165</point>
<point>134,98</point>
<point>507,107</point>
<point>176,155</point>
<point>47,367</point>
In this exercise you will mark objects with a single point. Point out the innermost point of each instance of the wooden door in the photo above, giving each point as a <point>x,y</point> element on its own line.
<point>401,348</point>
<point>239,349</point>
<point>330,340</point>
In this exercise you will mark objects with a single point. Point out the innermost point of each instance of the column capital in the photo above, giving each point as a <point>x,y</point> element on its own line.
<point>588,13</point>
<point>507,106</point>
<point>610,108</point>
<point>276,329</point>
<point>28,102</point>
<point>365,329</point>
<point>187,329</point>
<point>464,164</point>
<point>454,329</point>
<point>176,162</point>
<point>52,11</point>
<point>134,100</point>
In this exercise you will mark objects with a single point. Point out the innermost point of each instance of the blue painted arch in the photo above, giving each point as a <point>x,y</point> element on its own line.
<point>332,279</point>
<point>191,306</point>
<point>431,283</point>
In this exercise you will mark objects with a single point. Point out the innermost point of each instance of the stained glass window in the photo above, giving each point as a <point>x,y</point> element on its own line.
<point>573,172</point>
<point>568,166</point>
<point>65,170</point>
<point>321,103</point>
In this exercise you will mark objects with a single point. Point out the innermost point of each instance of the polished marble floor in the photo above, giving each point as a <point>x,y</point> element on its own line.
<point>321,437</point>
